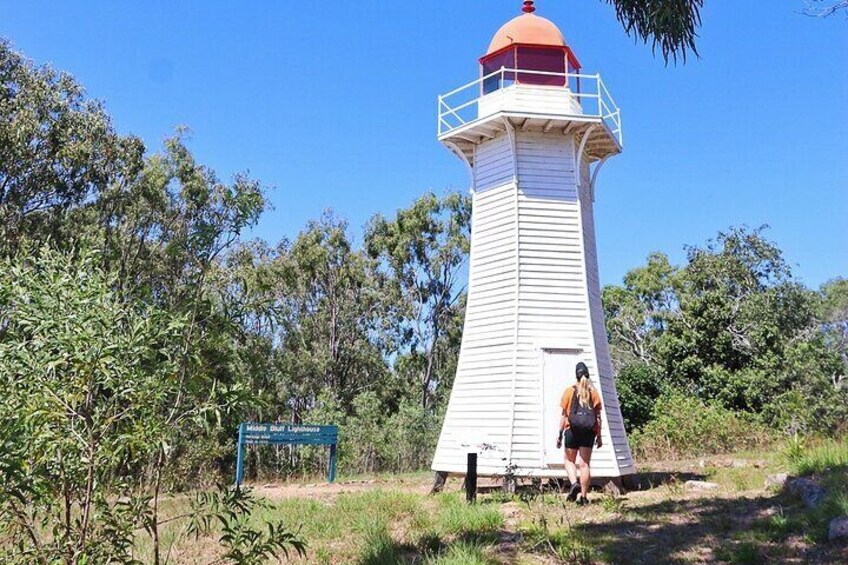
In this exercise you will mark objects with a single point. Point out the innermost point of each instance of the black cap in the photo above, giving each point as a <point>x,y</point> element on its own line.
<point>581,370</point>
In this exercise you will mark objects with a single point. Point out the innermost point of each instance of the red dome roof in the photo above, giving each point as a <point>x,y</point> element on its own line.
<point>527,28</point>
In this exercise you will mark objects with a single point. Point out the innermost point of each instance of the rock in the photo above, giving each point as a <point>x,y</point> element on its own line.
<point>701,485</point>
<point>702,463</point>
<point>809,491</point>
<point>777,481</point>
<point>838,528</point>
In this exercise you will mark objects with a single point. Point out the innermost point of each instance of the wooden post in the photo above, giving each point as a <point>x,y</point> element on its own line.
<point>471,479</point>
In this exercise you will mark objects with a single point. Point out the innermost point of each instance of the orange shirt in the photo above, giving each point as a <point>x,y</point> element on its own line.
<point>594,400</point>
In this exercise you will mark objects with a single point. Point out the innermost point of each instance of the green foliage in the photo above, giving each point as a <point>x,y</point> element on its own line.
<point>670,25</point>
<point>86,379</point>
<point>640,311</point>
<point>682,424</point>
<point>230,509</point>
<point>58,150</point>
<point>421,253</point>
<point>731,327</point>
<point>639,386</point>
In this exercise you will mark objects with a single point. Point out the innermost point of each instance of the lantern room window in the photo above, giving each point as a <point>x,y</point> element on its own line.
<point>546,66</point>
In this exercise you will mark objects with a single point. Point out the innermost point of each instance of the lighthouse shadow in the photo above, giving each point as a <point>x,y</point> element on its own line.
<point>646,481</point>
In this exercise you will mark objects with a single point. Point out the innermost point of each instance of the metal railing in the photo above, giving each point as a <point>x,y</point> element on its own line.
<point>461,106</point>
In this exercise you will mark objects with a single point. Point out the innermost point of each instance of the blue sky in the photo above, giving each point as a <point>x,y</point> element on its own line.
<point>332,105</point>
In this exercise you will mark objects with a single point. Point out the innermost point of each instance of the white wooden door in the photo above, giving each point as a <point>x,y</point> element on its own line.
<point>557,373</point>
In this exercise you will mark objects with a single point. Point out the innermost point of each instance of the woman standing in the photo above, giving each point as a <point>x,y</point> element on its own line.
<point>581,424</point>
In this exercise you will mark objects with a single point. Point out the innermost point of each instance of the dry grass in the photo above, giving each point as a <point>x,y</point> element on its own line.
<point>392,520</point>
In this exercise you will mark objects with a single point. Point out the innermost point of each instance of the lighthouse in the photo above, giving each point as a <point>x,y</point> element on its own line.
<point>534,131</point>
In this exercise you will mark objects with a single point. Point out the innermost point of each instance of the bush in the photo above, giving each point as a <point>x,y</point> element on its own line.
<point>638,387</point>
<point>682,425</point>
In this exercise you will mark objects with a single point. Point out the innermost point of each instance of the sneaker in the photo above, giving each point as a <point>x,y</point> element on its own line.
<point>583,501</point>
<point>573,492</point>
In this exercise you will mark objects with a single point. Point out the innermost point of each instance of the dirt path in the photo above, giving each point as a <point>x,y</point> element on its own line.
<point>327,490</point>
<point>736,519</point>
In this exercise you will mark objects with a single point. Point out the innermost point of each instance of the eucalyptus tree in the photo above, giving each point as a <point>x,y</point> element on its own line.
<point>329,331</point>
<point>58,150</point>
<point>422,253</point>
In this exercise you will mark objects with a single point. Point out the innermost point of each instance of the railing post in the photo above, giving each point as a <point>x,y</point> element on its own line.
<point>620,130</point>
<point>600,87</point>
<point>439,117</point>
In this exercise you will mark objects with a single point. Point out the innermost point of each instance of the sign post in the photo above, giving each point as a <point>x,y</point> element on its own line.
<point>294,434</point>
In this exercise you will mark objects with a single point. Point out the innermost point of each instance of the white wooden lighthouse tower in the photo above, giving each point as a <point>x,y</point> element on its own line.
<point>534,133</point>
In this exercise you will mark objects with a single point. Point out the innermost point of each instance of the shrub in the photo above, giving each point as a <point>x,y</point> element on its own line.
<point>682,425</point>
<point>638,386</point>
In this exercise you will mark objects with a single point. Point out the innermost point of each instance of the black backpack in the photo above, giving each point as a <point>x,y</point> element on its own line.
<point>582,418</point>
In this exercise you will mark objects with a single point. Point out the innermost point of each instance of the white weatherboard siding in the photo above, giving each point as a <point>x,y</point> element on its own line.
<point>533,293</point>
<point>529,99</point>
<point>615,438</point>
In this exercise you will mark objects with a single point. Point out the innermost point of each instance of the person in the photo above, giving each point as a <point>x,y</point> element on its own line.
<point>580,429</point>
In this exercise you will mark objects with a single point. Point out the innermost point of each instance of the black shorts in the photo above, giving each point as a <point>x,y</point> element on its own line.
<point>573,439</point>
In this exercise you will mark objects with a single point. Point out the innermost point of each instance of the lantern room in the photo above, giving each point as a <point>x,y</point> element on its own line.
<point>531,44</point>
<point>530,78</point>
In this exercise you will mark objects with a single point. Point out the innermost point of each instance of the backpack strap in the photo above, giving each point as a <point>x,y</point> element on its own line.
<point>575,401</point>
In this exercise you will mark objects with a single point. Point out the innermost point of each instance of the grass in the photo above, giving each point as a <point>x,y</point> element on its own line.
<point>462,553</point>
<point>456,517</point>
<point>817,457</point>
<point>395,522</point>
<point>562,542</point>
<point>827,462</point>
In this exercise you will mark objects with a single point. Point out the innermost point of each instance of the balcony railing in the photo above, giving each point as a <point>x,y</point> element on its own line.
<point>583,95</point>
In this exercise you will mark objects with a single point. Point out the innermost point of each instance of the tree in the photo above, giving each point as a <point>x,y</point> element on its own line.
<point>329,328</point>
<point>670,25</point>
<point>833,315</point>
<point>825,8</point>
<point>422,251</point>
<point>640,311</point>
<point>731,326</point>
<point>740,308</point>
<point>85,377</point>
<point>58,150</point>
